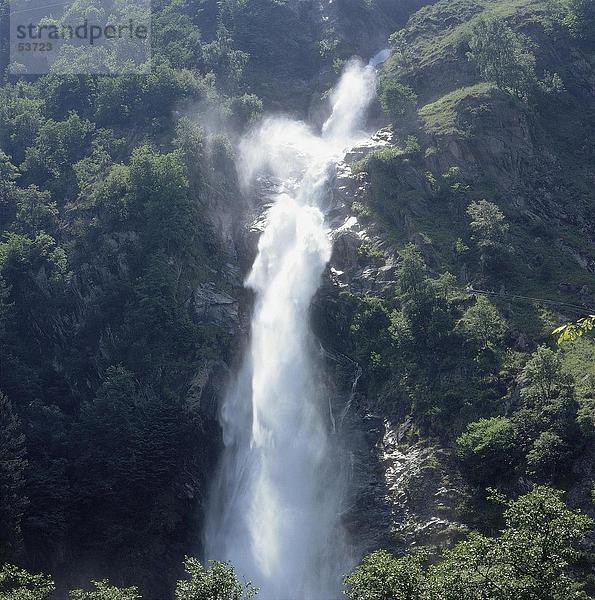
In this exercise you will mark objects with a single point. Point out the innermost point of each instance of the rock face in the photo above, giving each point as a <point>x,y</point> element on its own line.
<point>488,136</point>
<point>405,490</point>
<point>217,307</point>
<point>423,488</point>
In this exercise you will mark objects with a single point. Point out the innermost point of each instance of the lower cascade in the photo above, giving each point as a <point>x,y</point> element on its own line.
<point>275,504</point>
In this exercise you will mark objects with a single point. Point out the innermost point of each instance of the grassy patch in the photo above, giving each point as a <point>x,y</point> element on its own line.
<point>441,116</point>
<point>435,32</point>
<point>579,359</point>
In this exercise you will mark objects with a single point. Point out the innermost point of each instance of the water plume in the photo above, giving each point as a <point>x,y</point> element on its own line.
<point>274,507</point>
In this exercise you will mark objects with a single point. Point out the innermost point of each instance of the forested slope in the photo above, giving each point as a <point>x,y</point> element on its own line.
<point>122,254</point>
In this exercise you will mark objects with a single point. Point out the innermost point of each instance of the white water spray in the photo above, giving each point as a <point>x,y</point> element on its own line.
<point>274,509</point>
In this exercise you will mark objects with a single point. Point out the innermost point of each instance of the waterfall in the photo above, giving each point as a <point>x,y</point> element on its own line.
<point>273,510</point>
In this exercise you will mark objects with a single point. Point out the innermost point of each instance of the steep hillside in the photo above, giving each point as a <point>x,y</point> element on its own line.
<point>462,231</point>
<point>474,238</point>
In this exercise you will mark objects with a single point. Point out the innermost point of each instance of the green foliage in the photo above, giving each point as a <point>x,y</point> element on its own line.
<point>488,447</point>
<point>483,323</point>
<point>381,576</point>
<point>540,436</point>
<point>490,231</point>
<point>140,438</point>
<point>174,37</point>
<point>217,581</point>
<point>20,118</point>
<point>104,241</point>
<point>245,110</point>
<point>58,145</point>
<point>397,100</point>
<point>532,558</point>
<point>18,584</point>
<point>579,18</point>
<point>224,60</point>
<point>547,456</point>
<point>13,463</point>
<point>424,320</point>
<point>104,591</point>
<point>572,331</point>
<point>544,376</point>
<point>503,56</point>
<point>370,329</point>
<point>378,160</point>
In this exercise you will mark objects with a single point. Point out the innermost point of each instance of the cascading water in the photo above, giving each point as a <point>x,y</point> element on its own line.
<point>274,507</point>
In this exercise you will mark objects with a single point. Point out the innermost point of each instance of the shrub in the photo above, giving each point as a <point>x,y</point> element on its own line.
<point>488,446</point>
<point>397,100</point>
<point>547,455</point>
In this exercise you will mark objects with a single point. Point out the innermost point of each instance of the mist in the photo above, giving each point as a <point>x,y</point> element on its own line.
<point>275,504</point>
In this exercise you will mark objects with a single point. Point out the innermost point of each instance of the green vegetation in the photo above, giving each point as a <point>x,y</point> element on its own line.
<point>110,200</point>
<point>572,331</point>
<point>531,558</point>
<point>539,437</point>
<point>441,116</point>
<point>488,446</point>
<point>104,238</point>
<point>217,582</point>
<point>503,56</point>
<point>490,231</point>
<point>18,584</point>
<point>484,324</point>
<point>104,591</point>
<point>398,100</point>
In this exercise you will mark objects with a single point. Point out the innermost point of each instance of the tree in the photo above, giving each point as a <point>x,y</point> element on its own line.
<point>18,584</point>
<point>543,376</point>
<point>13,463</point>
<point>503,56</point>
<point>580,19</point>
<point>381,576</point>
<point>104,591</point>
<point>221,57</point>
<point>8,190</point>
<point>36,212</point>
<point>217,581</point>
<point>531,559</point>
<point>490,230</point>
<point>245,110</point>
<point>175,38</point>
<point>424,320</point>
<point>547,456</point>
<point>370,329</point>
<point>483,323</point>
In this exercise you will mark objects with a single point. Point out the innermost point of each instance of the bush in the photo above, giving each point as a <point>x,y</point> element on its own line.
<point>488,446</point>
<point>17,584</point>
<point>547,455</point>
<point>397,100</point>
<point>490,232</point>
<point>104,591</point>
